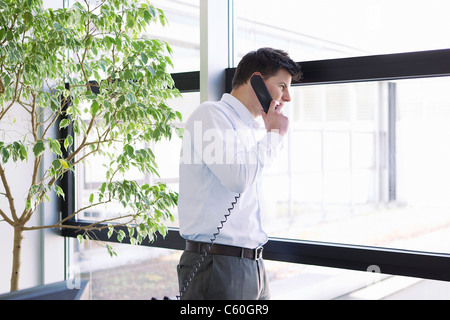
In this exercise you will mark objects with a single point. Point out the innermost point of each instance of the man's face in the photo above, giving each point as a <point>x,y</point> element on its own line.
<point>279,85</point>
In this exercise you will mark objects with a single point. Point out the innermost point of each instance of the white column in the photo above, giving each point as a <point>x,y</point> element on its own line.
<point>213,48</point>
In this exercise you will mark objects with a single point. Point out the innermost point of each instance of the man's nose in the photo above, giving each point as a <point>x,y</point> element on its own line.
<point>287,96</point>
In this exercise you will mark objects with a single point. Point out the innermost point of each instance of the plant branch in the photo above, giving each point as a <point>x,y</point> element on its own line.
<point>5,110</point>
<point>9,195</point>
<point>34,125</point>
<point>90,227</point>
<point>24,105</point>
<point>16,91</point>
<point>6,218</point>
<point>83,209</point>
<point>26,215</point>
<point>50,125</point>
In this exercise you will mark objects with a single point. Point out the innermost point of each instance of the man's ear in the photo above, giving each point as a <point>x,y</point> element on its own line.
<point>255,73</point>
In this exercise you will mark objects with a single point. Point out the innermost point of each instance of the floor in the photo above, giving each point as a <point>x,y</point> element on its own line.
<point>399,288</point>
<point>316,283</point>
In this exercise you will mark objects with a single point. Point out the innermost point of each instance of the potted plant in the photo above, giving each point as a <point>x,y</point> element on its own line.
<point>90,69</point>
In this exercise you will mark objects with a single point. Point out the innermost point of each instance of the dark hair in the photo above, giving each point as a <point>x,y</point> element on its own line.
<point>268,62</point>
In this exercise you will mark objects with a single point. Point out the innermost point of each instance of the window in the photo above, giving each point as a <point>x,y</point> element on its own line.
<point>326,29</point>
<point>182,32</point>
<point>364,166</point>
<point>332,166</point>
<point>332,183</point>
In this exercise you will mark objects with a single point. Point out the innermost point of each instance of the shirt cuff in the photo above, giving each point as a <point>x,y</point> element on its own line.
<point>274,139</point>
<point>269,147</point>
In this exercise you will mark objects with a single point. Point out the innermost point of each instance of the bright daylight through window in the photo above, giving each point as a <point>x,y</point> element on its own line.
<point>354,172</point>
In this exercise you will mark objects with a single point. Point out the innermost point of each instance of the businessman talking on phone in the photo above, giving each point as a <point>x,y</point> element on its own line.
<point>221,166</point>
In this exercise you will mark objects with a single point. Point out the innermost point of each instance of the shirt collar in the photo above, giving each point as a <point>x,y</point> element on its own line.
<point>241,110</point>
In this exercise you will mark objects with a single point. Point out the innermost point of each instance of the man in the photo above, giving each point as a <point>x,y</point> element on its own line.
<point>220,172</point>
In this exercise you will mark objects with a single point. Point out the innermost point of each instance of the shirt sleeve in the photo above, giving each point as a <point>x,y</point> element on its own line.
<point>229,149</point>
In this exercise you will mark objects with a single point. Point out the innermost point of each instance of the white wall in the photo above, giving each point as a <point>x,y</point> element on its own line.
<point>42,251</point>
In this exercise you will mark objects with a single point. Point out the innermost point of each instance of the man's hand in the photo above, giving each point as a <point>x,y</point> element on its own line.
<point>275,120</point>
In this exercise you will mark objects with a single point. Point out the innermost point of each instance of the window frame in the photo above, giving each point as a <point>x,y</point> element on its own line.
<point>426,265</point>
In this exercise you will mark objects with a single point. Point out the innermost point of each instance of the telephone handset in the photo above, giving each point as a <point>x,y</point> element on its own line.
<point>261,91</point>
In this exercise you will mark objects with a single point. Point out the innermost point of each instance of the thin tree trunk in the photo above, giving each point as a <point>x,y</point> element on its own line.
<point>17,253</point>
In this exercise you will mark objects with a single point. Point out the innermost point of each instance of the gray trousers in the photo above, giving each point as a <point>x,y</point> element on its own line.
<point>223,278</point>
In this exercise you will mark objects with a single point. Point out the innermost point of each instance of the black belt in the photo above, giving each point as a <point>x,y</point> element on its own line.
<point>221,249</point>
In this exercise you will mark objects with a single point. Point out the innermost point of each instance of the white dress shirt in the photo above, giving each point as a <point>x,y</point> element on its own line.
<point>220,159</point>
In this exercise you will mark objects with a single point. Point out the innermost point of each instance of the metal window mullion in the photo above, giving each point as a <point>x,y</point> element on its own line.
<point>392,148</point>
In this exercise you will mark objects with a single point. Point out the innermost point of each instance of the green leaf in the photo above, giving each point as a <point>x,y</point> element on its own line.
<point>38,148</point>
<point>64,123</point>
<point>24,152</point>
<point>9,35</point>
<point>54,146</point>
<point>128,74</point>
<point>94,107</point>
<point>6,78</point>
<point>56,164</point>
<point>129,150</point>
<point>179,132</point>
<point>130,21</point>
<point>57,26</point>
<point>121,235</point>
<point>103,187</point>
<point>111,251</point>
<point>59,191</point>
<point>147,16</point>
<point>28,204</point>
<point>151,70</point>
<point>64,163</point>
<point>76,127</point>
<point>110,231</point>
<point>144,58</point>
<point>68,142</point>
<point>130,232</point>
<point>120,101</point>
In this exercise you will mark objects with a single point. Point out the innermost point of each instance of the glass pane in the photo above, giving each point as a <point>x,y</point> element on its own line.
<point>311,160</point>
<point>365,156</point>
<point>336,150</point>
<point>302,282</point>
<point>182,32</point>
<point>142,273</point>
<point>92,173</point>
<point>136,273</point>
<point>326,29</point>
<point>423,155</point>
<point>342,186</point>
